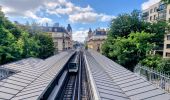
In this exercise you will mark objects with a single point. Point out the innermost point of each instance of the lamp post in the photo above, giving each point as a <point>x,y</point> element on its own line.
<point>63,42</point>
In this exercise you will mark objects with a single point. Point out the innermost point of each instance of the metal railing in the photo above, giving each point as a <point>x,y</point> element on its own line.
<point>159,79</point>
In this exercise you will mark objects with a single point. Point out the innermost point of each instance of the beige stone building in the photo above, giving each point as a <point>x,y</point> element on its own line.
<point>95,39</point>
<point>157,12</point>
<point>62,37</point>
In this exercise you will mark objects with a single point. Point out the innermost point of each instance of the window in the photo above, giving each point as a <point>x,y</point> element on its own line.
<point>151,10</point>
<point>50,29</point>
<point>169,11</point>
<point>55,29</point>
<point>168,46</point>
<point>162,7</point>
<point>167,54</point>
<point>168,37</point>
<point>155,9</point>
<point>154,17</point>
<point>150,18</point>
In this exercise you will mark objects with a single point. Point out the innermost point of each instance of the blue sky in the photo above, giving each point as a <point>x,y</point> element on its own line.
<point>81,14</point>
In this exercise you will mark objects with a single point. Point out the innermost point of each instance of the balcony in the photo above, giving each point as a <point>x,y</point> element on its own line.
<point>161,17</point>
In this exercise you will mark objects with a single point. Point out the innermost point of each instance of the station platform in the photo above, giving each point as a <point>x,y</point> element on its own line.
<point>31,77</point>
<point>110,81</point>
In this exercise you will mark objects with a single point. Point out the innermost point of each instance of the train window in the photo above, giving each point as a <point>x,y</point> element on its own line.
<point>72,65</point>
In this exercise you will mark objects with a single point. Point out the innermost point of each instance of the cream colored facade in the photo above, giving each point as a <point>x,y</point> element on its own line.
<point>162,13</point>
<point>151,13</point>
<point>95,42</point>
<point>95,39</point>
<point>62,41</point>
<point>62,37</point>
<point>166,53</point>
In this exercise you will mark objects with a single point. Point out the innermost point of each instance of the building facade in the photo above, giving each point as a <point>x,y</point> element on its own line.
<point>159,12</point>
<point>62,37</point>
<point>96,38</point>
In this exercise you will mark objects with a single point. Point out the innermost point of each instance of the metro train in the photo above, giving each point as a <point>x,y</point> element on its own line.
<point>74,64</point>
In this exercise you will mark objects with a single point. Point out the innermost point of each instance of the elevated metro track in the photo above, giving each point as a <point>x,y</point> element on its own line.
<point>98,78</point>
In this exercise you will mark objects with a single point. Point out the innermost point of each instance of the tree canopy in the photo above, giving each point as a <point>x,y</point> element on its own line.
<point>17,43</point>
<point>166,1</point>
<point>129,51</point>
<point>130,39</point>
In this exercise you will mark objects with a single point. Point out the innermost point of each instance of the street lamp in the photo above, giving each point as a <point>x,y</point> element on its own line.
<point>63,42</point>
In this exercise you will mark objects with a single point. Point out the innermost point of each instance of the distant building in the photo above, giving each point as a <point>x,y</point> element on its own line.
<point>62,37</point>
<point>159,12</point>
<point>96,38</point>
<point>69,29</point>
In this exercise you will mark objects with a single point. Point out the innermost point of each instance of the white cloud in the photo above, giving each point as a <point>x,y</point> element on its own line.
<point>24,8</point>
<point>75,13</point>
<point>29,9</point>
<point>149,3</point>
<point>86,17</point>
<point>80,35</point>
<point>105,18</point>
<point>89,17</point>
<point>31,15</point>
<point>44,20</point>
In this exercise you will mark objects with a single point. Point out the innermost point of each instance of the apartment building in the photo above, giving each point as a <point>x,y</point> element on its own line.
<point>159,12</point>
<point>61,36</point>
<point>96,38</point>
<point>151,14</point>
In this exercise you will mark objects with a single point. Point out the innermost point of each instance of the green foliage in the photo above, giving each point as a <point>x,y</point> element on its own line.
<point>152,61</point>
<point>158,29</point>
<point>16,43</point>
<point>6,40</point>
<point>31,46</point>
<point>157,62</point>
<point>128,51</point>
<point>86,46</point>
<point>47,45</point>
<point>130,39</point>
<point>124,24</point>
<point>166,1</point>
<point>164,66</point>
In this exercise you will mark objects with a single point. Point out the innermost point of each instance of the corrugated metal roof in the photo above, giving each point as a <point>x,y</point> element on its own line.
<point>114,81</point>
<point>33,77</point>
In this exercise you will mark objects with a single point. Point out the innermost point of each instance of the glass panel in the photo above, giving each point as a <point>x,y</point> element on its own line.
<point>4,73</point>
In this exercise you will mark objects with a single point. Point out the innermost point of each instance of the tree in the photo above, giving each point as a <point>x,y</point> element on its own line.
<point>166,1</point>
<point>152,61</point>
<point>31,46</point>
<point>158,29</point>
<point>124,24</point>
<point>128,51</point>
<point>45,41</point>
<point>46,44</point>
<point>16,43</point>
<point>6,45</point>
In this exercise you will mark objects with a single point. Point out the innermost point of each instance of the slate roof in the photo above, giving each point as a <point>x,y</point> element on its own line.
<point>32,78</point>
<point>114,82</point>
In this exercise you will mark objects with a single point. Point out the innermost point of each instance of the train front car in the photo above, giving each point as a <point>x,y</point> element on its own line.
<point>73,64</point>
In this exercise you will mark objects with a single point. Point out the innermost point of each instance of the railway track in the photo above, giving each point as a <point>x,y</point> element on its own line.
<point>69,89</point>
<point>76,85</point>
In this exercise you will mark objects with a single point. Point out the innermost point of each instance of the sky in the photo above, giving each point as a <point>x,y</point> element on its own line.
<point>81,14</point>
